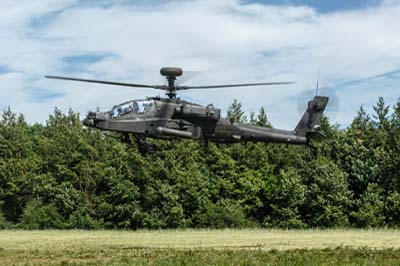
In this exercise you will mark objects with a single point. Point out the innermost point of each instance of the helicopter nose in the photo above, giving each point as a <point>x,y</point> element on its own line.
<point>92,119</point>
<point>89,121</point>
<point>102,116</point>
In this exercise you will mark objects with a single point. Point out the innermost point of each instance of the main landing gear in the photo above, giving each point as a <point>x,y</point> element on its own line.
<point>143,146</point>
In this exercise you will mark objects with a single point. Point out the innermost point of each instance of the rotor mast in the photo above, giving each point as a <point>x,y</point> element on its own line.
<point>170,73</point>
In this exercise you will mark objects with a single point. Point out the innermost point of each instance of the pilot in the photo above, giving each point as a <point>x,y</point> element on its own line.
<point>135,107</point>
<point>127,109</point>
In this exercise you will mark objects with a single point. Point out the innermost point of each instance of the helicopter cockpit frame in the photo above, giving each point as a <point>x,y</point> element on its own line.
<point>132,108</point>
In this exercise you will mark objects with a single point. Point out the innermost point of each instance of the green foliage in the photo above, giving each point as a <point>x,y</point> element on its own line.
<point>224,214</point>
<point>392,209</point>
<point>36,215</point>
<point>328,198</point>
<point>370,208</point>
<point>81,219</point>
<point>4,224</point>
<point>63,175</point>
<point>286,195</point>
<point>381,114</point>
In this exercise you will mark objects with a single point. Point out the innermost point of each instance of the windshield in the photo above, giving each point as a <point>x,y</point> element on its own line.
<point>144,106</point>
<point>132,107</point>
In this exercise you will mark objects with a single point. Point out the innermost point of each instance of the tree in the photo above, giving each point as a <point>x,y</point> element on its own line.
<point>395,119</point>
<point>38,216</point>
<point>262,119</point>
<point>362,121</point>
<point>328,198</point>
<point>64,175</point>
<point>253,119</point>
<point>18,164</point>
<point>381,110</point>
<point>286,196</point>
<point>392,209</point>
<point>370,208</point>
<point>235,113</point>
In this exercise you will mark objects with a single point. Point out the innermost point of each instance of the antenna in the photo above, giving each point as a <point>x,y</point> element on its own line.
<point>316,90</point>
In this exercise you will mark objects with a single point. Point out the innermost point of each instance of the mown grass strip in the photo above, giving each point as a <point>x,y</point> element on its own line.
<point>306,257</point>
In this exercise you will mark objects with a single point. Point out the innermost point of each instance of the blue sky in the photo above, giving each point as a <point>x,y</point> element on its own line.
<point>324,6</point>
<point>355,43</point>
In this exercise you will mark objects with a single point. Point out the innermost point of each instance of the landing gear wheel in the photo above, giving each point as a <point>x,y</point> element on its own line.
<point>144,147</point>
<point>147,148</point>
<point>151,148</point>
<point>125,138</point>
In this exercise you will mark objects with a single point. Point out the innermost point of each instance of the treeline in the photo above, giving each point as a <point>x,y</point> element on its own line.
<point>63,175</point>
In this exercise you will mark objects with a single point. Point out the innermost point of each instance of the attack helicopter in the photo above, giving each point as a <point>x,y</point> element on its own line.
<point>172,117</point>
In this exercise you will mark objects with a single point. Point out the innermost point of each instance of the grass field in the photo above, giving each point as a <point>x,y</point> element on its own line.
<point>201,247</point>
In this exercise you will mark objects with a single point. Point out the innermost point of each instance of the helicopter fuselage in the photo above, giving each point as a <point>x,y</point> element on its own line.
<point>164,118</point>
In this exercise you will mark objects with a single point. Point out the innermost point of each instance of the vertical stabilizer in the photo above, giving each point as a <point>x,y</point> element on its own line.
<point>312,115</point>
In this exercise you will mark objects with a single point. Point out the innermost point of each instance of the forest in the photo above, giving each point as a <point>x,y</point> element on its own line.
<point>63,175</point>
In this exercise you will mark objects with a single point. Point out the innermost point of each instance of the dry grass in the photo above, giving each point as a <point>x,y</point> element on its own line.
<point>58,241</point>
<point>201,247</point>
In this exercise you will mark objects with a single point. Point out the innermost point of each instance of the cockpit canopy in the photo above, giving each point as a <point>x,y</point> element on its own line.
<point>133,107</point>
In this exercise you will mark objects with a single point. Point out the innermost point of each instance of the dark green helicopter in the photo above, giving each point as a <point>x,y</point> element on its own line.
<point>165,118</point>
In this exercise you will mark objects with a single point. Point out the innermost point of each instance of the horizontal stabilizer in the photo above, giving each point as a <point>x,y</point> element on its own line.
<point>315,136</point>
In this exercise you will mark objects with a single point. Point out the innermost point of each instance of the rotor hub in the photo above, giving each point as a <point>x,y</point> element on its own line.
<point>171,73</point>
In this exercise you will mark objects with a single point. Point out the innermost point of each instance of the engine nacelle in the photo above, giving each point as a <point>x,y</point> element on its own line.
<point>198,112</point>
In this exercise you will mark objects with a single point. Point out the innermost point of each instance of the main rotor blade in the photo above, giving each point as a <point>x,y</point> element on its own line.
<point>107,82</point>
<point>232,85</point>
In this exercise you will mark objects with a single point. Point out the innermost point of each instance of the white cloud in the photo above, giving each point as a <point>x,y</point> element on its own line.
<point>229,41</point>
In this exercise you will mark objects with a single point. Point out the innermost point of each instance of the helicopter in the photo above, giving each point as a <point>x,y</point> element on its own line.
<point>171,117</point>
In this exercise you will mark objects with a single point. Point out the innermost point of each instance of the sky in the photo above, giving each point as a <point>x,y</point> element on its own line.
<point>323,6</point>
<point>355,44</point>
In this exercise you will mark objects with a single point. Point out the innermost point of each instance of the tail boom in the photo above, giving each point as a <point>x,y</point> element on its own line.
<point>301,135</point>
<point>255,134</point>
